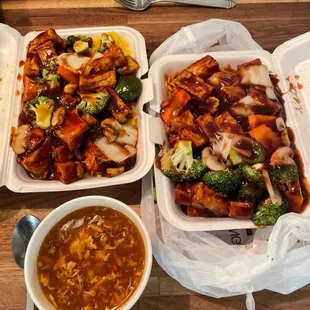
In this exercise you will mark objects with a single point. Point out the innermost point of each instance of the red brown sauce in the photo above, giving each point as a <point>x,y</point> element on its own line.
<point>17,93</point>
<point>300,86</point>
<point>19,77</point>
<point>304,184</point>
<point>21,63</point>
<point>296,76</point>
<point>93,258</point>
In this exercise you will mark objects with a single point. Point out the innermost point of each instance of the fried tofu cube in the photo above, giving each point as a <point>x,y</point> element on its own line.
<point>32,66</point>
<point>119,110</point>
<point>228,124</point>
<point>47,54</point>
<point>231,94</point>
<point>37,162</point>
<point>69,171</point>
<point>183,194</point>
<point>130,68</point>
<point>33,88</point>
<point>204,67</point>
<point>221,79</point>
<point>255,103</point>
<point>48,35</point>
<point>193,85</point>
<point>241,209</point>
<point>208,126</point>
<point>211,105</point>
<point>35,137</point>
<point>61,154</point>
<point>187,129</point>
<point>95,160</point>
<point>204,197</point>
<point>70,132</point>
<point>111,58</point>
<point>99,80</point>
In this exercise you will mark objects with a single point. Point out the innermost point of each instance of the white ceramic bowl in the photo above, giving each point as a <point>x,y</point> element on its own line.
<point>31,278</point>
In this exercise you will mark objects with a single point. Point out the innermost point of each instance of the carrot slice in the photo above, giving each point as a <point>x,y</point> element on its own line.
<point>68,75</point>
<point>268,138</point>
<point>257,120</point>
<point>175,107</point>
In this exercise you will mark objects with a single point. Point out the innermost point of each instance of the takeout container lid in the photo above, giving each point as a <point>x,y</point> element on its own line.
<point>291,59</point>
<point>13,49</point>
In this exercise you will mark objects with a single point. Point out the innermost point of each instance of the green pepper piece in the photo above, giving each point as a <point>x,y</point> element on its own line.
<point>129,88</point>
<point>258,155</point>
<point>235,158</point>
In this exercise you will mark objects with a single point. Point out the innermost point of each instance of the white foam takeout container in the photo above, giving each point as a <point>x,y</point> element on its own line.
<point>13,48</point>
<point>289,59</point>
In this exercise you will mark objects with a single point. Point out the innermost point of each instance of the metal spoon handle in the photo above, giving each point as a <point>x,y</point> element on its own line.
<point>30,304</point>
<point>228,4</point>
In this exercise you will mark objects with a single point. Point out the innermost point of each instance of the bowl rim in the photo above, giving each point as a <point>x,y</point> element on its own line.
<point>51,222</point>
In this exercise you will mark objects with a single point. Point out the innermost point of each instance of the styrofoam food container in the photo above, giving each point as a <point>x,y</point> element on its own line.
<point>31,277</point>
<point>13,48</point>
<point>290,59</point>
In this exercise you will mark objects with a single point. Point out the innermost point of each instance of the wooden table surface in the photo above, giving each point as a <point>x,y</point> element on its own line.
<point>270,24</point>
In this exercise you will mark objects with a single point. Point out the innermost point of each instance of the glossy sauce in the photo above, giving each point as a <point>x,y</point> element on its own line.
<point>92,259</point>
<point>304,184</point>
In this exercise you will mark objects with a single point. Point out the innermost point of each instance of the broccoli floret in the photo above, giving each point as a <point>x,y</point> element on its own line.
<point>250,192</point>
<point>42,107</point>
<point>106,42</point>
<point>268,212</point>
<point>93,103</point>
<point>250,174</point>
<point>283,175</point>
<point>224,181</point>
<point>179,165</point>
<point>72,39</point>
<point>50,78</point>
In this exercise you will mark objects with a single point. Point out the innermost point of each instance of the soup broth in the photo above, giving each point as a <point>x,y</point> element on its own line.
<point>92,259</point>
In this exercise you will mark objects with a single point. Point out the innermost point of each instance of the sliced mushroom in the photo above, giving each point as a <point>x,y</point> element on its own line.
<point>274,194</point>
<point>58,116</point>
<point>282,156</point>
<point>280,124</point>
<point>211,160</point>
<point>19,142</point>
<point>282,129</point>
<point>70,88</point>
<point>112,172</point>
<point>258,167</point>
<point>111,129</point>
<point>89,119</point>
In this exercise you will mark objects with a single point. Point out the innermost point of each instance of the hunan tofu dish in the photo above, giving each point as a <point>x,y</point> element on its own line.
<point>78,107</point>
<point>230,151</point>
<point>92,259</point>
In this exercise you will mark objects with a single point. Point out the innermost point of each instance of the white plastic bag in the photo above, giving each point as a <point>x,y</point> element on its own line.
<point>276,259</point>
<point>226,263</point>
<point>211,35</point>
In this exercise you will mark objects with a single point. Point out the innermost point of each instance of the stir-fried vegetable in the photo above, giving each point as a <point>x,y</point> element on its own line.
<point>129,88</point>
<point>234,120</point>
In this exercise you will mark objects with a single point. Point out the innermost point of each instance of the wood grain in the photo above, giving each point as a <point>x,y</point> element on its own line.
<point>270,25</point>
<point>36,4</point>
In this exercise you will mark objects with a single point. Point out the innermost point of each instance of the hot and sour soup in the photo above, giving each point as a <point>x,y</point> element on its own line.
<point>92,259</point>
